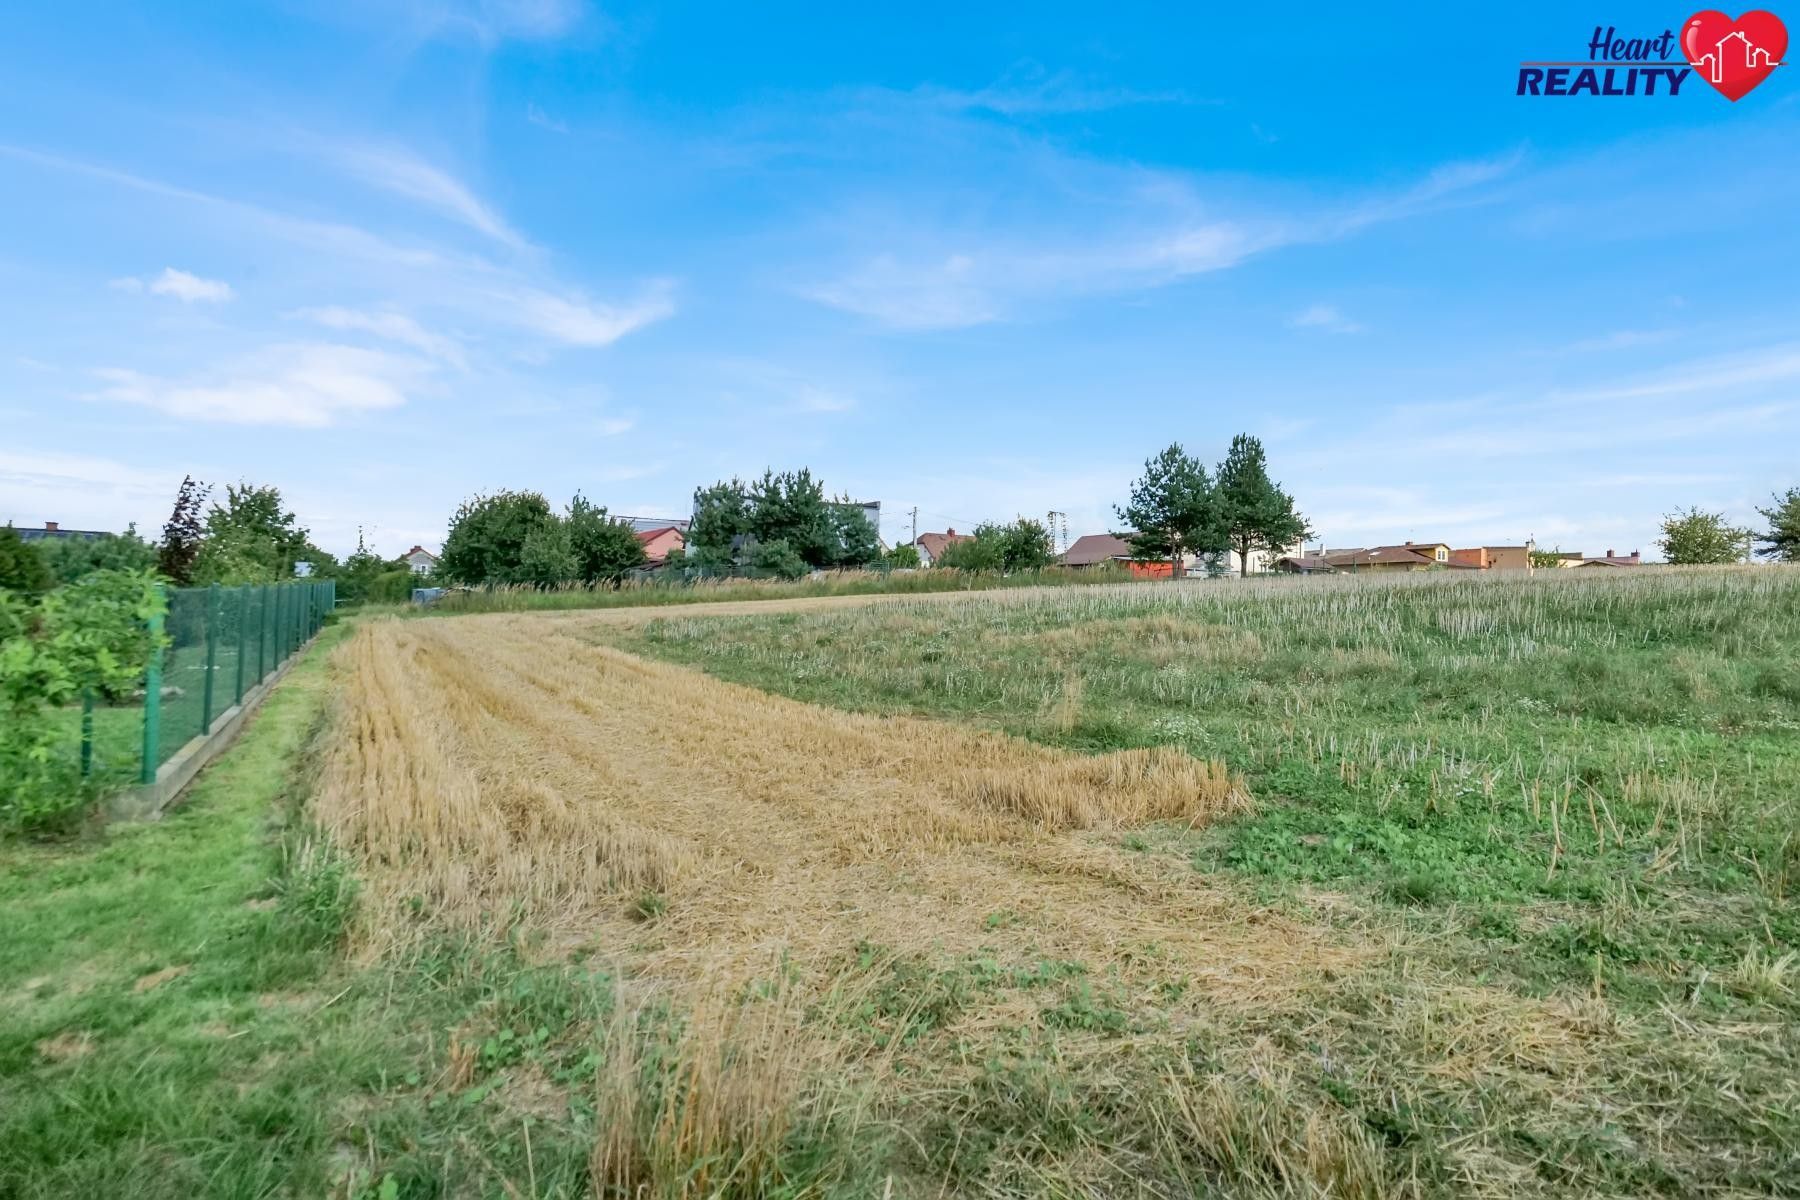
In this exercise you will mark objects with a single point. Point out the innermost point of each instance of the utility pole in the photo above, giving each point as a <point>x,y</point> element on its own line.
<point>915,523</point>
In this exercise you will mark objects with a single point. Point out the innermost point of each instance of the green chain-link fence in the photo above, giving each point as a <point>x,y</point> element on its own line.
<point>222,641</point>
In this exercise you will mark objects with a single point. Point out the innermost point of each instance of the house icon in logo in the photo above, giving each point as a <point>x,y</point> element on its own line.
<point>1732,49</point>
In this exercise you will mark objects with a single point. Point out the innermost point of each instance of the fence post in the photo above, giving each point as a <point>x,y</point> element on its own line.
<point>153,691</point>
<point>212,658</point>
<point>87,732</point>
<point>262,628</point>
<point>243,611</point>
<point>279,636</point>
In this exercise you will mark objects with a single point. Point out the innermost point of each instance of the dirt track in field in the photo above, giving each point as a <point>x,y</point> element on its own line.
<point>501,769</point>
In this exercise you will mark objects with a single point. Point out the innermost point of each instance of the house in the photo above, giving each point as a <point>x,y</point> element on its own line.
<point>659,544</point>
<point>421,560</point>
<point>1609,559</point>
<point>1494,558</point>
<point>1099,549</point>
<point>651,524</point>
<point>1303,564</point>
<point>51,530</point>
<point>931,545</point>
<point>1408,556</point>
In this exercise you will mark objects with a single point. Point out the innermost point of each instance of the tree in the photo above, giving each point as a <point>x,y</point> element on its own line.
<point>731,519</point>
<point>856,544</point>
<point>605,550</point>
<point>1255,512</point>
<point>366,577</point>
<point>903,558</point>
<point>1782,540</point>
<point>1172,512</point>
<point>22,568</point>
<point>486,540</point>
<point>791,507</point>
<point>548,557</point>
<point>779,559</point>
<point>1021,545</point>
<point>253,538</point>
<point>182,534</point>
<point>721,516</point>
<point>1025,544</point>
<point>1694,537</point>
<point>1547,558</point>
<point>69,558</point>
<point>973,553</point>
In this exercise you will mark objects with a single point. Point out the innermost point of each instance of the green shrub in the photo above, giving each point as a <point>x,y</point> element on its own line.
<point>89,637</point>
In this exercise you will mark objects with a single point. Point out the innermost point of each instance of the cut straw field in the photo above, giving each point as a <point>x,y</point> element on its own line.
<point>1361,888</point>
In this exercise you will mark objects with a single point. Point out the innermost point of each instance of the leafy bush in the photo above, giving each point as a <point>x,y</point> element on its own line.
<point>91,637</point>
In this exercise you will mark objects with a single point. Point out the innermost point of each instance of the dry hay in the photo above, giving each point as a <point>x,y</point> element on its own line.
<point>493,770</point>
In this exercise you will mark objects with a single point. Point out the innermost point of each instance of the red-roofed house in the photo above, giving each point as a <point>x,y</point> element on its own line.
<point>931,545</point>
<point>659,544</point>
<point>421,560</point>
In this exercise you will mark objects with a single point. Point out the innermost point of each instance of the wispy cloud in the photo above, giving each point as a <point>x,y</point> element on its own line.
<point>1154,231</point>
<point>1326,317</point>
<point>544,120</point>
<point>578,321</point>
<point>405,174</point>
<point>306,385</point>
<point>1623,339</point>
<point>1030,90</point>
<point>394,327</point>
<point>189,289</point>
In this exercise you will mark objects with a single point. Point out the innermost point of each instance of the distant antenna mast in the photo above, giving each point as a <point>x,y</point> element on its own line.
<point>1051,522</point>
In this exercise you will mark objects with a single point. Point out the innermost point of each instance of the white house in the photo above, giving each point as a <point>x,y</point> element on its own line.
<point>421,560</point>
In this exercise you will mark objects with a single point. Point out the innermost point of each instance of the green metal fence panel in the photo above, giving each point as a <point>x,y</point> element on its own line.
<point>222,642</point>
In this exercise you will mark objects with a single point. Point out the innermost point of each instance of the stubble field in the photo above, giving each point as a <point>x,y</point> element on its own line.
<point>1341,887</point>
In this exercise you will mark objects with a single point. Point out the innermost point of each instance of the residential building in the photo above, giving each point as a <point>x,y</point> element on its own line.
<point>644,524</point>
<point>1303,564</point>
<point>931,545</point>
<point>1098,549</point>
<point>1494,558</point>
<point>51,530</point>
<point>1408,556</point>
<point>1609,559</point>
<point>421,560</point>
<point>660,544</point>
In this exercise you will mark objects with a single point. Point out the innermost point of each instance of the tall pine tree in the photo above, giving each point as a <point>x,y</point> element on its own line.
<point>1255,512</point>
<point>1172,512</point>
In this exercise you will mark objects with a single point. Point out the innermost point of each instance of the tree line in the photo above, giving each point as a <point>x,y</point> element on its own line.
<point>1695,537</point>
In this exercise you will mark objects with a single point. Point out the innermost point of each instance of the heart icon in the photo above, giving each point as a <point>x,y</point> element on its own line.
<point>1734,56</point>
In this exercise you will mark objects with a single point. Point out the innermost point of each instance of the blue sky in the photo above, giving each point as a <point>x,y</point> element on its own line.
<point>977,260</point>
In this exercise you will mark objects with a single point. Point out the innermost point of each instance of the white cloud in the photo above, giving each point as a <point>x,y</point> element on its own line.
<point>1142,229</point>
<point>404,174</point>
<point>395,327</point>
<point>185,287</point>
<point>614,426</point>
<point>578,321</point>
<point>1776,364</point>
<point>80,491</point>
<point>1327,318</point>
<point>306,385</point>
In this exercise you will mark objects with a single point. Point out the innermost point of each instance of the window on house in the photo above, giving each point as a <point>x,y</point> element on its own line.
<point>1442,554</point>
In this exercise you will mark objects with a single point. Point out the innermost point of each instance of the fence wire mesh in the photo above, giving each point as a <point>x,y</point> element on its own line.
<point>221,643</point>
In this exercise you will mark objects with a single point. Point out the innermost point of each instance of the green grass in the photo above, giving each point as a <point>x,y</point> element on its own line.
<point>1569,999</point>
<point>1574,791</point>
<point>177,1018</point>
